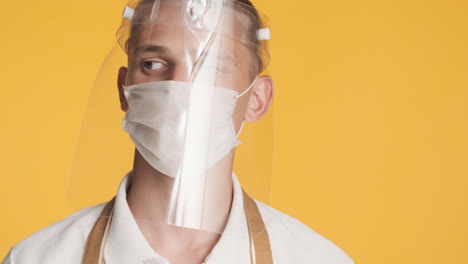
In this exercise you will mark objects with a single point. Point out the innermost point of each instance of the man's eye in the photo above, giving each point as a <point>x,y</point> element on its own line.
<point>153,65</point>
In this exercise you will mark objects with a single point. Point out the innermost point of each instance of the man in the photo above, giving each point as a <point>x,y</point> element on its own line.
<point>191,81</point>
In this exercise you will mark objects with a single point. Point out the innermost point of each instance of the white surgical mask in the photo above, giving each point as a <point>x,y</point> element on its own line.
<point>156,121</point>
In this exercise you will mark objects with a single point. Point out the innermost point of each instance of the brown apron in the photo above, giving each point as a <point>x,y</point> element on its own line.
<point>260,242</point>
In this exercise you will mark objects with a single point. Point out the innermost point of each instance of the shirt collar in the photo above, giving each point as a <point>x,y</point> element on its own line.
<point>126,243</point>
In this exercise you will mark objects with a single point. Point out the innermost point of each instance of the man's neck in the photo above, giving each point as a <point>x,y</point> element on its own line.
<point>148,199</point>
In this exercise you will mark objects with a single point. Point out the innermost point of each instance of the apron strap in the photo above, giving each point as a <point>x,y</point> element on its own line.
<point>259,240</point>
<point>257,232</point>
<point>93,244</point>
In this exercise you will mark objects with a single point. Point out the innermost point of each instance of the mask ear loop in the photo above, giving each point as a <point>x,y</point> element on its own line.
<point>240,129</point>
<point>125,88</point>
<point>246,90</point>
<point>237,97</point>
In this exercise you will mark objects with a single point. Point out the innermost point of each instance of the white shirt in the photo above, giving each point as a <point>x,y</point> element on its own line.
<point>64,242</point>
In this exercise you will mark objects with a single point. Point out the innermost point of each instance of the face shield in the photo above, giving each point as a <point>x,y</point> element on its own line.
<point>191,71</point>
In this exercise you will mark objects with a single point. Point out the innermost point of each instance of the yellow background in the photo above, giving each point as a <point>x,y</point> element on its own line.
<point>370,118</point>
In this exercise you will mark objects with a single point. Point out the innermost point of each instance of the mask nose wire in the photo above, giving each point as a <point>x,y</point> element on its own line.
<point>237,97</point>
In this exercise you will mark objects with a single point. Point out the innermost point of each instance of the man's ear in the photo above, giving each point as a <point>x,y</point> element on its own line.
<point>260,99</point>
<point>120,83</point>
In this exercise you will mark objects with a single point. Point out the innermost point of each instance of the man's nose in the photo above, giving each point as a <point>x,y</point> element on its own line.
<point>181,72</point>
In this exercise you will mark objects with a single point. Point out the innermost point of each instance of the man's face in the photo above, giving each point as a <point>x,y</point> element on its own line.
<point>162,51</point>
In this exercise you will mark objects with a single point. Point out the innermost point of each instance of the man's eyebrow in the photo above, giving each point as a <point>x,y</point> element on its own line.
<point>150,48</point>
<point>230,59</point>
<point>227,57</point>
